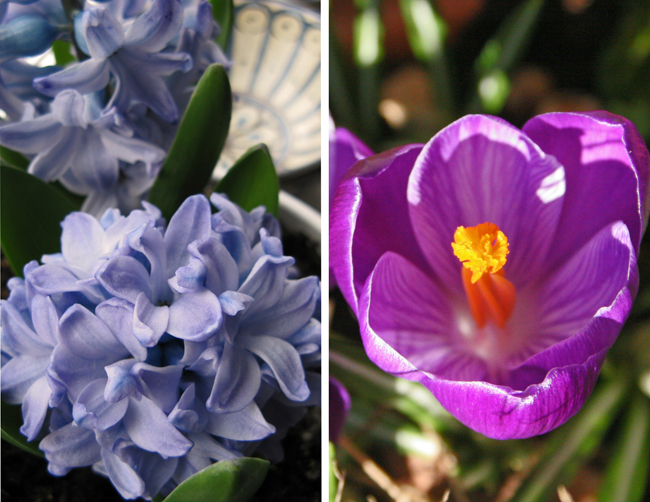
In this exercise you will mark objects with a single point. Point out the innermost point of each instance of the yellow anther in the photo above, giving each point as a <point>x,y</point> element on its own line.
<point>481,249</point>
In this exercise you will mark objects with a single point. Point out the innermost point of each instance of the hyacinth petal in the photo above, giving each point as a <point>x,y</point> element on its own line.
<point>102,32</point>
<point>236,383</point>
<point>93,165</point>
<point>607,174</point>
<point>149,322</point>
<point>32,136</point>
<point>369,217</point>
<point>81,240</point>
<point>131,150</point>
<point>284,361</point>
<point>88,76</point>
<point>117,314</point>
<point>187,416</point>
<point>71,446</point>
<point>46,322</point>
<point>156,26</point>
<point>55,161</point>
<point>35,404</point>
<point>91,403</point>
<point>19,374</point>
<point>244,425</point>
<point>411,314</point>
<point>125,277</point>
<point>212,449</point>
<point>292,312</point>
<point>480,170</point>
<point>190,222</point>
<point>18,335</point>
<point>149,428</point>
<point>73,371</point>
<point>158,384</point>
<point>124,478</point>
<point>221,269</point>
<point>86,335</point>
<point>195,316</point>
<point>265,283</point>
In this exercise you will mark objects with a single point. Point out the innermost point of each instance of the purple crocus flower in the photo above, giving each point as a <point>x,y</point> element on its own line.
<point>345,150</point>
<point>494,265</point>
<point>340,404</point>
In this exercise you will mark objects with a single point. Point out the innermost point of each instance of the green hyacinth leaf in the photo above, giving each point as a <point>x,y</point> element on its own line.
<point>223,13</point>
<point>626,476</point>
<point>225,481</point>
<point>198,143</point>
<point>32,211</point>
<point>62,53</point>
<point>252,181</point>
<point>12,420</point>
<point>13,159</point>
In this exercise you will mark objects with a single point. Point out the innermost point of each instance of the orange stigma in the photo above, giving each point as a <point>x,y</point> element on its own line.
<point>482,250</point>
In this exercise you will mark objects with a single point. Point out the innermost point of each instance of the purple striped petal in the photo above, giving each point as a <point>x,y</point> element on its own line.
<point>156,26</point>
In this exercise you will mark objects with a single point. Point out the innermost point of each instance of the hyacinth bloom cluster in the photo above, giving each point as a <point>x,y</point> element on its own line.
<point>150,351</point>
<point>101,126</point>
<point>494,265</point>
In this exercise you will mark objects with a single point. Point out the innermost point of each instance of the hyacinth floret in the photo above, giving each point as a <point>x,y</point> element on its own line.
<point>150,351</point>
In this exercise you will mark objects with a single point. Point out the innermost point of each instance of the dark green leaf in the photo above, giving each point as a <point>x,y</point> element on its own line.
<point>225,481</point>
<point>62,53</point>
<point>252,181</point>
<point>626,475</point>
<point>198,143</point>
<point>12,420</point>
<point>222,11</point>
<point>14,159</point>
<point>574,443</point>
<point>32,212</point>
<point>506,47</point>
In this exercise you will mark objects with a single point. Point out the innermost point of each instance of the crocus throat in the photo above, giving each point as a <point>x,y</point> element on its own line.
<point>482,250</point>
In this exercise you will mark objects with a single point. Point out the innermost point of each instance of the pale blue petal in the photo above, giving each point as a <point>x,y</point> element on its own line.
<point>35,404</point>
<point>124,478</point>
<point>81,240</point>
<point>71,446</point>
<point>88,76</point>
<point>245,425</point>
<point>121,383</point>
<point>117,314</point>
<point>155,27</point>
<point>87,336</point>
<point>149,428</point>
<point>158,384</point>
<point>149,322</point>
<point>19,374</point>
<point>221,269</point>
<point>284,361</point>
<point>103,33</point>
<point>195,316</point>
<point>191,222</point>
<point>237,381</point>
<point>124,277</point>
<point>92,411</point>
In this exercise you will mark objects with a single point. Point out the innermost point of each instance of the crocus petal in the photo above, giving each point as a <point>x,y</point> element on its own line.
<point>411,314</point>
<point>370,217</point>
<point>195,316</point>
<point>340,403</point>
<point>245,425</point>
<point>448,188</point>
<point>156,26</point>
<point>125,277</point>
<point>284,361</point>
<point>88,76</point>
<point>86,335</point>
<point>190,222</point>
<point>35,404</point>
<point>236,383</point>
<point>605,160</point>
<point>149,428</point>
<point>71,446</point>
<point>345,151</point>
<point>124,478</point>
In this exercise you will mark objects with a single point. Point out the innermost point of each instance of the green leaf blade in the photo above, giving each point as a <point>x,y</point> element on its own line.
<point>225,481</point>
<point>626,476</point>
<point>223,13</point>
<point>198,143</point>
<point>32,212</point>
<point>252,181</point>
<point>13,159</point>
